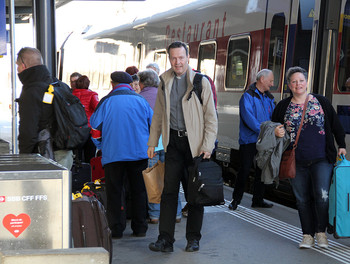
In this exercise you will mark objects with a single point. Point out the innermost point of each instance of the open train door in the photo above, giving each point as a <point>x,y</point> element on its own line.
<point>302,39</point>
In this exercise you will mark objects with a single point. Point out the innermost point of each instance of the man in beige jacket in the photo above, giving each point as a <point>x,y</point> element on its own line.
<point>189,128</point>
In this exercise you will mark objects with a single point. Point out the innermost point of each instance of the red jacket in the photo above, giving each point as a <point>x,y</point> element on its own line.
<point>89,99</point>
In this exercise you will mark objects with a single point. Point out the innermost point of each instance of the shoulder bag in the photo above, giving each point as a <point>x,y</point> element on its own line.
<point>287,165</point>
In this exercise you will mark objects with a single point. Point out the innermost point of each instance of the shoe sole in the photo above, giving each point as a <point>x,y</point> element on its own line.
<point>306,246</point>
<point>323,246</point>
<point>156,249</point>
<point>191,249</point>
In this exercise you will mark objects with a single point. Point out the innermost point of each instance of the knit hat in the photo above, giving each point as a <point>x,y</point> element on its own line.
<point>121,77</point>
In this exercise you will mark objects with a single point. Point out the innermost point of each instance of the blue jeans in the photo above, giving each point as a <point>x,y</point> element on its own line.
<point>311,186</point>
<point>153,208</point>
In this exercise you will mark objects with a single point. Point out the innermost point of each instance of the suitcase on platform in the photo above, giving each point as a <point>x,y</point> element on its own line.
<point>81,173</point>
<point>339,200</point>
<point>97,171</point>
<point>89,224</point>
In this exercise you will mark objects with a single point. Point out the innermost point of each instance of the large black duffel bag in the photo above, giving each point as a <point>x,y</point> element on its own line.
<point>205,183</point>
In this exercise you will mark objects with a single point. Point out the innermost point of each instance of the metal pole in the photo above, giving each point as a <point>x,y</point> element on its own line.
<point>13,76</point>
<point>44,23</point>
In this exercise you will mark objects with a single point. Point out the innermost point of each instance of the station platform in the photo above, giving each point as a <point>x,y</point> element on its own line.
<point>245,235</point>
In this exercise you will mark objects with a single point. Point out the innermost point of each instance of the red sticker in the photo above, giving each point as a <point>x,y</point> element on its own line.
<point>16,224</point>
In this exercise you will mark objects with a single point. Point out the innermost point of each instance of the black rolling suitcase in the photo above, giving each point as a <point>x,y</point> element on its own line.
<point>89,225</point>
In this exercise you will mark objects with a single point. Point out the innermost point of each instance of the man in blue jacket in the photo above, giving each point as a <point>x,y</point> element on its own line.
<point>256,106</point>
<point>120,128</point>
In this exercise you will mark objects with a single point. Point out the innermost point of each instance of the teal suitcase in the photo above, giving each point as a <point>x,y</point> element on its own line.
<point>339,200</point>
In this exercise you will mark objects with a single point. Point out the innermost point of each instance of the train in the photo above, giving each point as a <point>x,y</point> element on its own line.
<point>230,41</point>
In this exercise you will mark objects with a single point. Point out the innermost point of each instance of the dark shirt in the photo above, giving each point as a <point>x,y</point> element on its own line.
<point>312,132</point>
<point>178,91</point>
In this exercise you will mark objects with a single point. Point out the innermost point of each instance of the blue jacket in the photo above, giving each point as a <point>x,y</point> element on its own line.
<point>123,118</point>
<point>254,108</point>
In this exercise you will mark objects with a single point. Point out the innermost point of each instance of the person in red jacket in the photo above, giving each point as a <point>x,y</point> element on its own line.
<point>90,100</point>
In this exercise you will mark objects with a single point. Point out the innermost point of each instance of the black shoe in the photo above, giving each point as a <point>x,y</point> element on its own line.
<point>192,245</point>
<point>262,204</point>
<point>233,205</point>
<point>138,234</point>
<point>161,245</point>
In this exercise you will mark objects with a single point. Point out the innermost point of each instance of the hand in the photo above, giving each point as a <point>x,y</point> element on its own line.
<point>206,154</point>
<point>341,151</point>
<point>280,131</point>
<point>150,152</point>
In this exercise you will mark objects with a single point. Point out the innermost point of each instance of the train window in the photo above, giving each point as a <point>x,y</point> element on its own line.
<point>344,60</point>
<point>276,47</point>
<point>237,62</point>
<point>160,58</point>
<point>206,58</point>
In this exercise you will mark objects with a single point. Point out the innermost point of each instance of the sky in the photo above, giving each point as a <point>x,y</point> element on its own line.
<point>77,15</point>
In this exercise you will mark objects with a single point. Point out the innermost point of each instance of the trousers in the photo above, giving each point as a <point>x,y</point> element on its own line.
<point>177,159</point>
<point>115,173</point>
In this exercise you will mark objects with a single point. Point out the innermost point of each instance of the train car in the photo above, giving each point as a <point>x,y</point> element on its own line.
<point>232,40</point>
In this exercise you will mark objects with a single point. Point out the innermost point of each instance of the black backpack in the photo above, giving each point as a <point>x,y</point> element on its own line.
<point>70,129</point>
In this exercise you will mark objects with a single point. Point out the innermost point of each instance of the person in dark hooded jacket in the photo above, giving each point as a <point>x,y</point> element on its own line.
<point>35,115</point>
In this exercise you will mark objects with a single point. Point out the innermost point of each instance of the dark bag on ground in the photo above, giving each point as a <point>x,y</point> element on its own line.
<point>81,174</point>
<point>89,224</point>
<point>287,165</point>
<point>71,129</point>
<point>96,189</point>
<point>205,183</point>
<point>339,201</point>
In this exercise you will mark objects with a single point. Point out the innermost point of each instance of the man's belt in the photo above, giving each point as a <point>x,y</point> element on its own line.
<point>179,133</point>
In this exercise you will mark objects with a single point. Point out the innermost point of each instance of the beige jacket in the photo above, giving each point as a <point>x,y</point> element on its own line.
<point>200,120</point>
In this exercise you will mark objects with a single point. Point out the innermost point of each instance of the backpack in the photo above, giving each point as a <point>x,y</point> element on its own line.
<point>70,129</point>
<point>197,87</point>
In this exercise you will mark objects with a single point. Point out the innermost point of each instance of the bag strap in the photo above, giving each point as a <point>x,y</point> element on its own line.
<point>301,122</point>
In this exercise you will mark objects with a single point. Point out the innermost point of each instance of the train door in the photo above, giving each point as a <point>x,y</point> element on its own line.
<point>207,58</point>
<point>341,85</point>
<point>302,39</point>
<point>277,20</point>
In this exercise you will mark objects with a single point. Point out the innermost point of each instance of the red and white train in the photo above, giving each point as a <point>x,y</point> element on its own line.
<point>231,40</point>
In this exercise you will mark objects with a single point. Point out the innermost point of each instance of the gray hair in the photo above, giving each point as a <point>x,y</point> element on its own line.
<point>149,78</point>
<point>30,57</point>
<point>263,73</point>
<point>293,70</point>
<point>153,66</point>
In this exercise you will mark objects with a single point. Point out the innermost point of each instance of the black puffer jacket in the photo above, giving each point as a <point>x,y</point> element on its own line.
<point>33,113</point>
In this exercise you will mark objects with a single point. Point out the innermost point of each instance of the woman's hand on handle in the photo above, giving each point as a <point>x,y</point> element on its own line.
<point>341,151</point>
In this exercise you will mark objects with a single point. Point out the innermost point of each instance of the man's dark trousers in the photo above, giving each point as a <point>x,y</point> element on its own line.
<point>177,158</point>
<point>247,154</point>
<point>115,173</point>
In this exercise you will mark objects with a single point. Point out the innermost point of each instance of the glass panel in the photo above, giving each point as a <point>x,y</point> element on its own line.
<point>344,60</point>
<point>206,59</point>
<point>304,34</point>
<point>276,48</point>
<point>160,58</point>
<point>237,63</point>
